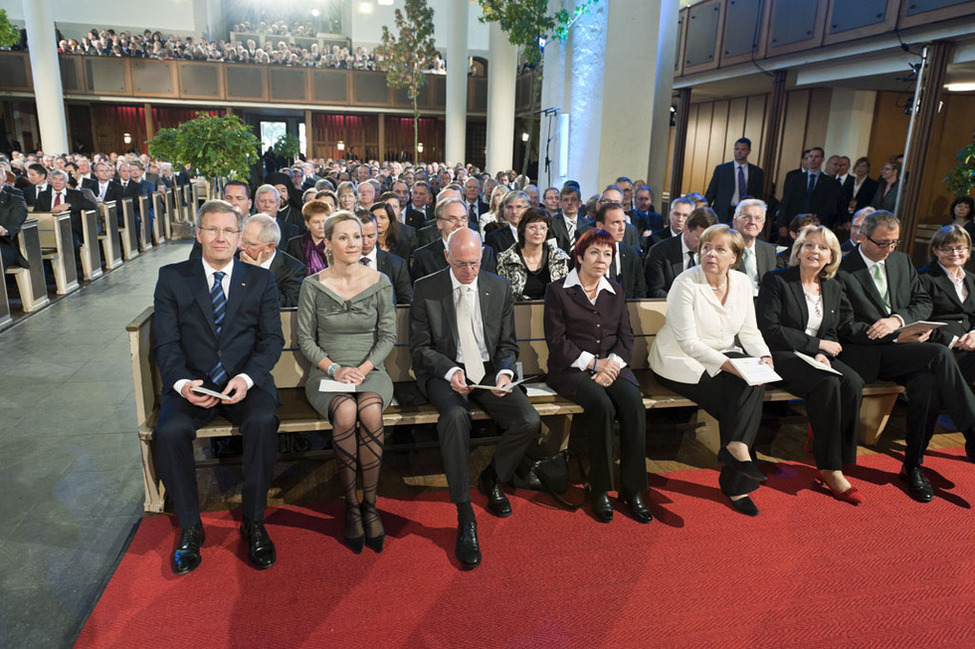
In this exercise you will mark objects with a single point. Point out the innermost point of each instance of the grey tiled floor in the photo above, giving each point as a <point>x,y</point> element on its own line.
<point>70,478</point>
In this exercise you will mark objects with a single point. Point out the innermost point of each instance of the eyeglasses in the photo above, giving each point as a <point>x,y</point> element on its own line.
<point>537,228</point>
<point>227,232</point>
<point>456,219</point>
<point>955,250</point>
<point>461,265</point>
<point>883,244</point>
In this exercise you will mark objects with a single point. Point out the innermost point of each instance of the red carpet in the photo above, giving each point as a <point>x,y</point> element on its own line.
<point>808,572</point>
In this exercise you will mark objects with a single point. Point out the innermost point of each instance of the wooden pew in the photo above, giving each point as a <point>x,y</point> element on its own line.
<point>57,247</point>
<point>145,240</point>
<point>5,318</point>
<point>90,253</point>
<point>110,236</point>
<point>160,231</point>
<point>30,281</point>
<point>169,204</point>
<point>130,238</point>
<point>187,207</point>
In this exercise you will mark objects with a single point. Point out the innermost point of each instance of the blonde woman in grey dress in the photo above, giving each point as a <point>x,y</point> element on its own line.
<point>346,328</point>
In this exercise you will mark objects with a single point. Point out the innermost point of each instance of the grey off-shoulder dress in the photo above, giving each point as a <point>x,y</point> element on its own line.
<point>348,332</point>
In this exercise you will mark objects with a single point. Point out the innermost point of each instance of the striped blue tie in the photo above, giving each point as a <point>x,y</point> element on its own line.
<point>219,300</point>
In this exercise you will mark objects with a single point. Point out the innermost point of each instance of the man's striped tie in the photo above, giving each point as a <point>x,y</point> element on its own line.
<point>219,300</point>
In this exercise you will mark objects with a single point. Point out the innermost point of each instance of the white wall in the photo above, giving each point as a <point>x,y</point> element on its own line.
<point>75,17</point>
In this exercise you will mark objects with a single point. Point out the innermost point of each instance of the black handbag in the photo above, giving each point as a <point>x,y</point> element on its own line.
<point>551,475</point>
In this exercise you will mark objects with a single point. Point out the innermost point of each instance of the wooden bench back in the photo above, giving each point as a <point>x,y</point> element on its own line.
<point>291,371</point>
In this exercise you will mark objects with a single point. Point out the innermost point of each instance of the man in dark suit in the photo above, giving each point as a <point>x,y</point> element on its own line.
<point>472,197</point>
<point>680,209</point>
<point>105,188</point>
<point>631,234</point>
<point>886,293</point>
<point>451,214</point>
<point>669,258</point>
<point>58,198</point>
<point>13,213</point>
<point>217,325</point>
<point>733,181</point>
<point>758,257</point>
<point>809,191</point>
<point>568,226</point>
<point>268,200</point>
<point>393,266</point>
<point>259,241</point>
<point>431,232</point>
<point>141,187</point>
<point>514,204</point>
<point>627,266</point>
<point>643,211</point>
<point>37,175</point>
<point>461,333</point>
<point>855,236</point>
<point>419,211</point>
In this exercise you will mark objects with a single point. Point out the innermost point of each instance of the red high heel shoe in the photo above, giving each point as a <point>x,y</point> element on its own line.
<point>851,495</point>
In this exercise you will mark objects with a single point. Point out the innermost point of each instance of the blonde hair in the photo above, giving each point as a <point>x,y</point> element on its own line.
<point>723,230</point>
<point>829,270</point>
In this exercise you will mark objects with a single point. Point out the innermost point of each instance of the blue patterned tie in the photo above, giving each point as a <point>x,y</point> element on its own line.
<point>219,300</point>
<point>742,187</point>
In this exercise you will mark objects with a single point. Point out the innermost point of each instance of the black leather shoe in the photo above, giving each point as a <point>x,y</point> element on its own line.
<point>488,485</point>
<point>745,506</point>
<point>602,508</point>
<point>260,549</point>
<point>468,551</point>
<point>187,557</point>
<point>638,509</point>
<point>917,484</point>
<point>747,468</point>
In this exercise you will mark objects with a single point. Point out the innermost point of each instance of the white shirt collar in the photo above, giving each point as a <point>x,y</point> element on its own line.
<point>951,274</point>
<point>869,262</point>
<point>373,258</point>
<point>210,270</point>
<point>267,262</point>
<point>572,279</point>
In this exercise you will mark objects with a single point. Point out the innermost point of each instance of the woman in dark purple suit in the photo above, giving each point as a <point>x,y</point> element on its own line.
<point>587,328</point>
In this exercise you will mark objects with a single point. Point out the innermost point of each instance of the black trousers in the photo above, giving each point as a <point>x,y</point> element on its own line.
<point>513,412</point>
<point>933,380</point>
<point>832,405</point>
<point>738,408</point>
<point>601,406</point>
<point>966,362</point>
<point>178,421</point>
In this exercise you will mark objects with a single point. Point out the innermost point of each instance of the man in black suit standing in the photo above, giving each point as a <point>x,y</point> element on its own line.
<point>259,240</point>
<point>514,204</point>
<point>393,266</point>
<point>758,257</point>
<point>627,266</point>
<point>885,294</point>
<point>669,258</point>
<point>451,214</point>
<point>461,333</point>
<point>419,212</point>
<point>217,325</point>
<point>58,198</point>
<point>809,191</point>
<point>733,181</point>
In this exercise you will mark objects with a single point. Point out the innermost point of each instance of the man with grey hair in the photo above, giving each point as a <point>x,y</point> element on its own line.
<point>217,330</point>
<point>59,198</point>
<point>513,205</point>
<point>855,236</point>
<point>885,293</point>
<point>450,214</point>
<point>259,242</point>
<point>758,257</point>
<point>267,199</point>
<point>431,232</point>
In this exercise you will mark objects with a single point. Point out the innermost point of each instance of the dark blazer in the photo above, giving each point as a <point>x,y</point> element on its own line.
<point>882,202</point>
<point>406,240</point>
<point>73,197</point>
<point>500,239</point>
<point>721,189</point>
<point>665,261</point>
<point>644,221</point>
<point>112,193</point>
<point>416,218</point>
<point>433,325</point>
<point>826,201</point>
<point>31,192</point>
<point>561,234</point>
<point>288,230</point>
<point>89,183</point>
<point>482,208</point>
<point>863,197</point>
<point>394,267</point>
<point>782,312</point>
<point>13,214</point>
<point>430,258</point>
<point>765,259</point>
<point>573,325</point>
<point>945,305</point>
<point>631,275</point>
<point>659,235</point>
<point>427,234</point>
<point>186,344</point>
<point>289,273</point>
<point>908,299</point>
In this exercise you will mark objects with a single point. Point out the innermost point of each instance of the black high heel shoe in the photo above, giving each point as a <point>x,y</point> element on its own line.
<point>747,468</point>
<point>375,543</point>
<point>355,543</point>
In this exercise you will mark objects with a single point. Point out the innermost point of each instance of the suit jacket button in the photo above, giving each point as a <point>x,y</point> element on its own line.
<point>597,341</point>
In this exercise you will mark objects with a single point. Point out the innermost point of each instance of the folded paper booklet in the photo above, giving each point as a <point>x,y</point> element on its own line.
<point>819,366</point>
<point>507,388</point>
<point>920,326</point>
<point>754,371</point>
<point>199,389</point>
<point>328,385</point>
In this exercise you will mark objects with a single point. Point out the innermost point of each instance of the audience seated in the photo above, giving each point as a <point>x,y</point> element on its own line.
<point>259,241</point>
<point>534,261</point>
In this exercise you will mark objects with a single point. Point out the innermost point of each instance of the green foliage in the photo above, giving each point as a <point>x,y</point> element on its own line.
<point>215,147</point>
<point>960,180</point>
<point>9,33</point>
<point>527,21</point>
<point>404,58</point>
<point>287,146</point>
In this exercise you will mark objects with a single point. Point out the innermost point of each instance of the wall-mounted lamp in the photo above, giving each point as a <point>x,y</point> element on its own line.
<point>419,147</point>
<point>524,137</point>
<point>365,7</point>
<point>127,138</point>
<point>340,145</point>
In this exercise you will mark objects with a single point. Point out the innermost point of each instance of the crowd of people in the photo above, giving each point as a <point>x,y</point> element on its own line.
<point>815,293</point>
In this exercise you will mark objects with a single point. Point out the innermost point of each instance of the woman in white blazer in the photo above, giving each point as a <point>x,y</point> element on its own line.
<point>708,307</point>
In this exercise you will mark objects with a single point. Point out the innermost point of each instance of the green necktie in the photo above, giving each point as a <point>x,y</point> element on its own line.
<point>880,281</point>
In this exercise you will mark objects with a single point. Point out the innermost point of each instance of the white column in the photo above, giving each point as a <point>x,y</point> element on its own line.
<point>502,61</point>
<point>663,90</point>
<point>48,94</point>
<point>850,122</point>
<point>456,118</point>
